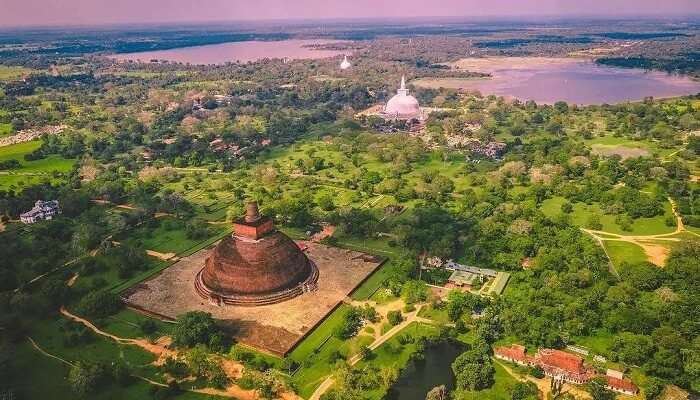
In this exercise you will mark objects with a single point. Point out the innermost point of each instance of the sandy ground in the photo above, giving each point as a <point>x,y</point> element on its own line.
<point>273,328</point>
<point>655,251</point>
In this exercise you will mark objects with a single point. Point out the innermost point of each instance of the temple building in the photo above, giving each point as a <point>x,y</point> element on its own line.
<point>256,265</point>
<point>42,210</point>
<point>345,64</point>
<point>403,106</point>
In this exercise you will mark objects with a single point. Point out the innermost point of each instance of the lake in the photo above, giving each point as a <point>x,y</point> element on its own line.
<point>574,80</point>
<point>418,378</point>
<point>236,51</point>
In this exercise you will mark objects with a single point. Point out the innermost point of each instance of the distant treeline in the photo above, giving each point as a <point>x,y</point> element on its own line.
<point>639,35</point>
<point>688,63</point>
<point>126,45</point>
<point>507,43</point>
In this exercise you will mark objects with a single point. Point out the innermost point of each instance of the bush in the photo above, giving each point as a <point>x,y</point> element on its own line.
<point>148,326</point>
<point>197,327</point>
<point>352,320</point>
<point>175,368</point>
<point>394,317</point>
<point>86,378</point>
<point>536,372</point>
<point>99,304</point>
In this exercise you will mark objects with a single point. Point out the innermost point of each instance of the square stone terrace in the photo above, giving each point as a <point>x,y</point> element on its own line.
<point>275,328</point>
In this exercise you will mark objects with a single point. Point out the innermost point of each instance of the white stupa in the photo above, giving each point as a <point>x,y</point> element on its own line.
<point>402,105</point>
<point>345,64</point>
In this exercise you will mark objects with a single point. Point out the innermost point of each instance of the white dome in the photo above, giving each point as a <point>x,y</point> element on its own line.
<point>345,64</point>
<point>402,105</point>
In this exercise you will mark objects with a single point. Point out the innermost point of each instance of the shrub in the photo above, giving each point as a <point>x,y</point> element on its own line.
<point>394,317</point>
<point>99,304</point>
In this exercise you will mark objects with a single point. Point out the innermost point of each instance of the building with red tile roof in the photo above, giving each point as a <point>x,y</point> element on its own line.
<point>563,365</point>
<point>617,383</point>
<point>515,353</point>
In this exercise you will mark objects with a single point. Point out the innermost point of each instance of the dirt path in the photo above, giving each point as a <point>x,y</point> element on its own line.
<point>72,280</point>
<point>47,354</point>
<point>153,253</point>
<point>655,252</point>
<point>161,349</point>
<point>162,256</point>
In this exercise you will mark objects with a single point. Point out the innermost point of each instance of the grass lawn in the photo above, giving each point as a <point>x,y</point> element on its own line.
<point>599,342</point>
<point>582,212</point>
<point>30,172</point>
<point>434,314</point>
<point>374,246</point>
<point>5,129</point>
<point>374,282</point>
<point>125,324</point>
<point>52,376</point>
<point>620,252</point>
<point>168,235</point>
<point>52,337</point>
<point>315,353</point>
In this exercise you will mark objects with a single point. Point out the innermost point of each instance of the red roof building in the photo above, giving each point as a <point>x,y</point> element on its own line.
<point>563,365</point>
<point>515,353</point>
<point>621,385</point>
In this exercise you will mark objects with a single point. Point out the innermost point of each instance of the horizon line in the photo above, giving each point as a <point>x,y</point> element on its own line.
<point>463,18</point>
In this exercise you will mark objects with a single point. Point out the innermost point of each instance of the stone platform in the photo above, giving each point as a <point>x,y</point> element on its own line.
<point>274,328</point>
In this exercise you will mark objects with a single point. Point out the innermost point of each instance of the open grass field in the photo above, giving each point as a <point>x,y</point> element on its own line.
<point>43,375</point>
<point>582,212</point>
<point>10,73</point>
<point>609,143</point>
<point>620,252</point>
<point>167,235</point>
<point>30,172</point>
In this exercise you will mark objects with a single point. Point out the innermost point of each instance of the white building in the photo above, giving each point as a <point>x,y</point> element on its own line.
<point>402,106</point>
<point>42,210</point>
<point>345,64</point>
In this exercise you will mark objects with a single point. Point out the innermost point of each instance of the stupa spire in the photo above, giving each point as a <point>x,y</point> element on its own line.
<point>402,90</point>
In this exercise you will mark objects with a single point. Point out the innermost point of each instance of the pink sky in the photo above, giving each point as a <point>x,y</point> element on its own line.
<point>89,12</point>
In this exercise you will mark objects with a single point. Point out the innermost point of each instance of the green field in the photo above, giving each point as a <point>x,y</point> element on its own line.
<point>314,354</point>
<point>30,172</point>
<point>620,252</point>
<point>168,235</point>
<point>5,129</point>
<point>582,212</point>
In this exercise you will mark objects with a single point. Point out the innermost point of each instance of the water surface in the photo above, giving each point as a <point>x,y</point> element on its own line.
<point>579,81</point>
<point>418,378</point>
<point>237,52</point>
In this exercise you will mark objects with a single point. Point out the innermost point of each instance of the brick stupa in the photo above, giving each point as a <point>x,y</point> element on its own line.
<point>256,265</point>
